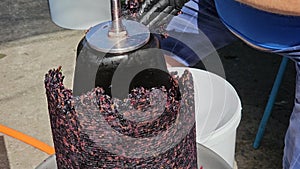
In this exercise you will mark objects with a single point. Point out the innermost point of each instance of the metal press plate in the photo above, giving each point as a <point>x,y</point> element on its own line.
<point>137,36</point>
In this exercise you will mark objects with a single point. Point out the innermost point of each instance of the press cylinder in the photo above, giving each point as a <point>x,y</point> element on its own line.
<point>96,68</point>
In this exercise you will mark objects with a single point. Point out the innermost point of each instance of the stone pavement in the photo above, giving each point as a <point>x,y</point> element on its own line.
<point>24,18</point>
<point>22,99</point>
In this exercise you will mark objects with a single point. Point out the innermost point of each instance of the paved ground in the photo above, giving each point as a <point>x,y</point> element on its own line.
<point>24,18</point>
<point>25,58</point>
<point>252,74</point>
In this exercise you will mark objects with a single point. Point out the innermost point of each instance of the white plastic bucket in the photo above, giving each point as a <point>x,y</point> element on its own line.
<point>79,14</point>
<point>218,113</point>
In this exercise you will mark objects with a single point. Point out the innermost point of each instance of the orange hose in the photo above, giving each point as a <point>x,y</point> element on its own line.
<point>27,139</point>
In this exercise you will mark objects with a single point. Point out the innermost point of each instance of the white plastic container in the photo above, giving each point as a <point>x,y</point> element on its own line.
<point>79,14</point>
<point>218,113</point>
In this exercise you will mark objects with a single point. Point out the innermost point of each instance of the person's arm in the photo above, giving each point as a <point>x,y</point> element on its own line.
<point>285,7</point>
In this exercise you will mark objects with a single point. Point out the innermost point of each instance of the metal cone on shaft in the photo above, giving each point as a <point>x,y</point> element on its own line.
<point>117,35</point>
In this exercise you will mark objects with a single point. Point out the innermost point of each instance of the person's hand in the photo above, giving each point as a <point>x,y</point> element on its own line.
<point>155,14</point>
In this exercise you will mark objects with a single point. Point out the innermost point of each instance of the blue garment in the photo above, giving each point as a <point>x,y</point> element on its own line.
<point>264,29</point>
<point>291,155</point>
<point>276,33</point>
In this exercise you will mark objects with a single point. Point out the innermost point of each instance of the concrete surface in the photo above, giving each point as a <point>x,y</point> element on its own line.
<point>22,100</point>
<point>31,44</point>
<point>252,73</point>
<point>24,18</point>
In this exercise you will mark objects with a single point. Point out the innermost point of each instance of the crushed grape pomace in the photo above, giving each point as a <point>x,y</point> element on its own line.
<point>152,128</point>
